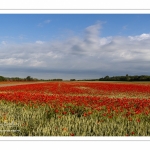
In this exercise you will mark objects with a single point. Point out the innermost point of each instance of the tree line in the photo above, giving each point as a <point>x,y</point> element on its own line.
<point>106,78</point>
<point>126,78</point>
<point>28,78</point>
<point>119,78</point>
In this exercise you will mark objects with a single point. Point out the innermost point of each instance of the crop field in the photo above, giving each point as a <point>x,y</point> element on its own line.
<point>75,109</point>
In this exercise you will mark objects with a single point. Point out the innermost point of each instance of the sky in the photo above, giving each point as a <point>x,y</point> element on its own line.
<point>80,46</point>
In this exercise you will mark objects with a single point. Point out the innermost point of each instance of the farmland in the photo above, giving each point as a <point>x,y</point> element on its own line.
<point>75,109</point>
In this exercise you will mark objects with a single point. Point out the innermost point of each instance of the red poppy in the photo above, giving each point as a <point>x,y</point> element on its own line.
<point>64,112</point>
<point>132,133</point>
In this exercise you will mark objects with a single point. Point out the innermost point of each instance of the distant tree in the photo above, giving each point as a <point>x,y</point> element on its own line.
<point>28,78</point>
<point>72,79</point>
<point>127,77</point>
<point>35,79</point>
<point>106,78</point>
<point>56,79</point>
<point>2,78</point>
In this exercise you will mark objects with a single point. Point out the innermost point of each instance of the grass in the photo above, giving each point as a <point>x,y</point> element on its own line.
<point>26,120</point>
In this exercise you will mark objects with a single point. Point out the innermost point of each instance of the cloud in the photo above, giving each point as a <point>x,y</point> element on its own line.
<point>44,22</point>
<point>40,25</point>
<point>143,36</point>
<point>125,27</point>
<point>47,21</point>
<point>21,37</point>
<point>39,42</point>
<point>3,42</point>
<point>92,33</point>
<point>92,56</point>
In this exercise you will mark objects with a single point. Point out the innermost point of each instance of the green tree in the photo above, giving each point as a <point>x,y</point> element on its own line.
<point>106,78</point>
<point>127,77</point>
<point>2,78</point>
<point>28,78</point>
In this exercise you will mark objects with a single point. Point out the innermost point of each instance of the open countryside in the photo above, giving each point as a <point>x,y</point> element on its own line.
<point>75,75</point>
<point>75,109</point>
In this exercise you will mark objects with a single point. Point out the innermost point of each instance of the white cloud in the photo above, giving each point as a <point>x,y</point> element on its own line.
<point>39,42</point>
<point>92,55</point>
<point>92,33</point>
<point>125,27</point>
<point>3,42</point>
<point>21,37</point>
<point>36,63</point>
<point>143,36</point>
<point>10,61</point>
<point>41,24</point>
<point>47,21</point>
<point>105,40</point>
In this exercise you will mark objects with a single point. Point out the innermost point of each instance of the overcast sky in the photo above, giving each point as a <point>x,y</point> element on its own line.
<point>74,46</point>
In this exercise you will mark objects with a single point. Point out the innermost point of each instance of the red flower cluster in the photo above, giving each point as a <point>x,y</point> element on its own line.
<point>95,96</point>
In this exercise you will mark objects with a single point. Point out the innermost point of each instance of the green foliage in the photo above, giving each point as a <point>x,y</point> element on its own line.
<point>28,78</point>
<point>126,78</point>
<point>2,78</point>
<point>56,80</point>
<point>106,78</point>
<point>72,79</point>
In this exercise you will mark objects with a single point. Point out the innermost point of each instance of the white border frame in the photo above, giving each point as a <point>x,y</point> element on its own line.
<point>125,7</point>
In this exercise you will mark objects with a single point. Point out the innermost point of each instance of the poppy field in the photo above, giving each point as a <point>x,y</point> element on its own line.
<point>75,109</point>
